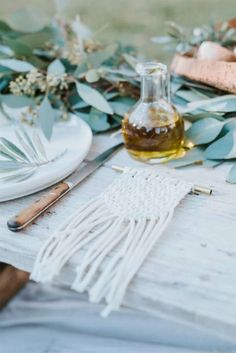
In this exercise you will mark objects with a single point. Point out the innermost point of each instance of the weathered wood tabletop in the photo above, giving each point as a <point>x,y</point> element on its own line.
<point>190,276</point>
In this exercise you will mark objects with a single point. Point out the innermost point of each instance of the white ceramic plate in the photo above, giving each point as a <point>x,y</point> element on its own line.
<point>75,136</point>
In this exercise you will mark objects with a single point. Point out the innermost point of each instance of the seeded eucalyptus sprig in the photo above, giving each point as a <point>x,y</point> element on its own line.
<point>62,68</point>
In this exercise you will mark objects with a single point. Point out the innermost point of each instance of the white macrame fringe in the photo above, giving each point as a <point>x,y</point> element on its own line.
<point>112,235</point>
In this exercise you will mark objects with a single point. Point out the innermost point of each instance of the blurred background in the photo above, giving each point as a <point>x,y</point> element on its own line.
<point>131,21</point>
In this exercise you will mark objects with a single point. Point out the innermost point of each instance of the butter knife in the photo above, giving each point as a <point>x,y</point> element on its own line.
<point>38,207</point>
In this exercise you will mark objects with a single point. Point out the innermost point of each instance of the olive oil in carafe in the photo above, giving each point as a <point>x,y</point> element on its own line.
<point>153,142</point>
<point>153,128</point>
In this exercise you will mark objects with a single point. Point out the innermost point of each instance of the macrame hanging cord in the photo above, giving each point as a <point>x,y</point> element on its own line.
<point>113,234</point>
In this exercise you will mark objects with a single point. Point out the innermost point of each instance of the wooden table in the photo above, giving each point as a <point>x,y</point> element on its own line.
<point>190,276</point>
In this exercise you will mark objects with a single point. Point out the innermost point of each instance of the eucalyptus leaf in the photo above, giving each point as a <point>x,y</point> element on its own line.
<point>17,65</point>
<point>46,116</point>
<point>116,120</point>
<point>225,103</point>
<point>3,83</point>
<point>121,71</point>
<point>125,100</point>
<point>179,103</point>
<point>81,70</point>
<point>83,116</point>
<point>4,49</point>
<point>37,62</point>
<point>188,83</point>
<point>231,177</point>
<point>229,125</point>
<point>4,27</point>
<point>38,39</point>
<point>211,163</point>
<point>223,148</point>
<point>56,68</point>
<point>189,95</point>
<point>80,105</point>
<point>175,86</point>
<point>93,97</point>
<point>114,78</point>
<point>131,60</point>
<point>204,93</point>
<point>193,156</point>
<point>74,98</point>
<point>204,131</point>
<point>95,59</point>
<point>98,120</point>
<point>197,116</point>
<point>19,48</point>
<point>13,101</point>
<point>111,95</point>
<point>120,108</point>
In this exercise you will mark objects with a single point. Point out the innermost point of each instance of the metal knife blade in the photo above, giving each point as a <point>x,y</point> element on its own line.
<point>33,211</point>
<point>80,174</point>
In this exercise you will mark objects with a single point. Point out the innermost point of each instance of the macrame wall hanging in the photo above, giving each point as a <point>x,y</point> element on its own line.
<point>113,234</point>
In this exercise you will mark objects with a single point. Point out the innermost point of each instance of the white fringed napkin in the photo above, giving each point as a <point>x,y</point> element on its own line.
<point>116,232</point>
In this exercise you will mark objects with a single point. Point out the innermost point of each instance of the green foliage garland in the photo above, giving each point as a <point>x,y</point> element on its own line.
<point>62,68</point>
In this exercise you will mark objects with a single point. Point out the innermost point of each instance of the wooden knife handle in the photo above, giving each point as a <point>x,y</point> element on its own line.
<point>30,213</point>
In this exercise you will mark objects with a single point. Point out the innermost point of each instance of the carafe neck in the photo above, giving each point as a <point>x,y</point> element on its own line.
<point>154,88</point>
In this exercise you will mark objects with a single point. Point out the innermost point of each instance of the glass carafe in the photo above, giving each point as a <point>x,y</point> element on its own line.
<point>153,128</point>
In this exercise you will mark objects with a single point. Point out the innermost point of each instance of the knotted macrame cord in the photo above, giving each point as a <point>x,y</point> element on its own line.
<point>113,234</point>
